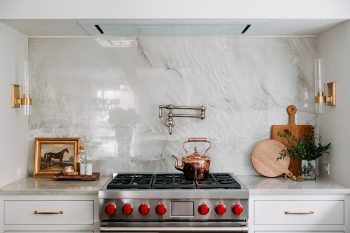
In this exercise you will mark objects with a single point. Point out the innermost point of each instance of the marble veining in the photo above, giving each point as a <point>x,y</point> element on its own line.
<point>108,96</point>
<point>258,185</point>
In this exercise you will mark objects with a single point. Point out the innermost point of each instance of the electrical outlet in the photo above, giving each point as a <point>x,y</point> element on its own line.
<point>326,168</point>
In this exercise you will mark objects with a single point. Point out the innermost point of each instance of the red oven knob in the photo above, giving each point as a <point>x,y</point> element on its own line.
<point>127,209</point>
<point>160,209</point>
<point>220,209</point>
<point>203,209</point>
<point>237,209</point>
<point>110,209</point>
<point>144,209</point>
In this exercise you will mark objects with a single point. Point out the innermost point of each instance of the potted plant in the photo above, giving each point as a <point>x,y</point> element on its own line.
<point>304,149</point>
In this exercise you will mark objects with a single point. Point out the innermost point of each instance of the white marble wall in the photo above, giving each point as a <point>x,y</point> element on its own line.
<point>108,96</point>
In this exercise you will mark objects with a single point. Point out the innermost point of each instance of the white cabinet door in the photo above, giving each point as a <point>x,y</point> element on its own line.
<point>297,212</point>
<point>294,213</point>
<point>49,212</point>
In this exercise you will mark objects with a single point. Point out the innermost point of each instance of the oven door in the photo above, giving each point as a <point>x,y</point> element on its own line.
<point>174,227</point>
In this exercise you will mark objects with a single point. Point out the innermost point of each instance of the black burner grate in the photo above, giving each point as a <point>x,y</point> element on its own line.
<point>172,181</point>
<point>131,181</point>
<point>219,181</point>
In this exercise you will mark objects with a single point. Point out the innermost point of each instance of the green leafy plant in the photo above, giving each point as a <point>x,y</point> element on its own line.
<point>303,149</point>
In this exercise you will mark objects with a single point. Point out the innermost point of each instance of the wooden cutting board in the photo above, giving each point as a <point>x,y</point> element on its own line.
<point>297,131</point>
<point>264,159</point>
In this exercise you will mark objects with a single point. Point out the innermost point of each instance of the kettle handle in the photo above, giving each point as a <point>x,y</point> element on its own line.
<point>197,140</point>
<point>177,167</point>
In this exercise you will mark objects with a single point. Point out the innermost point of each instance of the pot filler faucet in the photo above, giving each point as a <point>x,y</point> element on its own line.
<point>170,123</point>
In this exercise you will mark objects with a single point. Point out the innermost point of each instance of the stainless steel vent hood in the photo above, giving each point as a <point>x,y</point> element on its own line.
<point>168,28</point>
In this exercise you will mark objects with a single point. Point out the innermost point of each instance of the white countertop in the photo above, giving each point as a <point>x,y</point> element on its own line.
<point>38,186</point>
<point>258,185</point>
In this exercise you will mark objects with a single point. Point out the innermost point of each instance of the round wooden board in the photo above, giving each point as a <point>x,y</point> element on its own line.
<point>264,158</point>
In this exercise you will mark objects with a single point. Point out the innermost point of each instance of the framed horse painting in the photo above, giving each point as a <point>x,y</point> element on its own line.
<point>52,155</point>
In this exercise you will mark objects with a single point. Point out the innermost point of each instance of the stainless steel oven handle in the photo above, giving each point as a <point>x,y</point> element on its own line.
<point>174,229</point>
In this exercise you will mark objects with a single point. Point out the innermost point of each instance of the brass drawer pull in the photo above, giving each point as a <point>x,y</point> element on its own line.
<point>299,213</point>
<point>39,212</point>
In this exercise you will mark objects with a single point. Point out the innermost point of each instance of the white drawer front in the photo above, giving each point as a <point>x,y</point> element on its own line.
<point>299,212</point>
<point>73,212</point>
<point>299,231</point>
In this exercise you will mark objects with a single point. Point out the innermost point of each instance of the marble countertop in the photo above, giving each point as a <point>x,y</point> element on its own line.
<point>255,184</point>
<point>281,186</point>
<point>37,186</point>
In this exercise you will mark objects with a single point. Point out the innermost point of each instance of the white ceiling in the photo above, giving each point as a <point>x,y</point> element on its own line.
<point>271,27</point>
<point>174,9</point>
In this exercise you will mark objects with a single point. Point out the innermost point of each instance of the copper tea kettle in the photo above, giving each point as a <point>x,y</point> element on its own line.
<point>194,166</point>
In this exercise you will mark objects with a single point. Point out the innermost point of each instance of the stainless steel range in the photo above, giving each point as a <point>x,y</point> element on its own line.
<point>169,203</point>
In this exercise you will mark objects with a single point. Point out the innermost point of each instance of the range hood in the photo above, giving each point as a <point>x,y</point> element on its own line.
<point>168,28</point>
<point>161,27</point>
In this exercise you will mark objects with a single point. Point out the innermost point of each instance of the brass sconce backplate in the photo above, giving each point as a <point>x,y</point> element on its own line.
<point>15,96</point>
<point>16,100</point>
<point>331,96</point>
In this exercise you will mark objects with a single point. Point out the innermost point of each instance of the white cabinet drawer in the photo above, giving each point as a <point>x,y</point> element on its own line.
<point>299,231</point>
<point>296,212</point>
<point>35,212</point>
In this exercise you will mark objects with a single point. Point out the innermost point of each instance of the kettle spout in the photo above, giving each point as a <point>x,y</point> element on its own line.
<point>177,167</point>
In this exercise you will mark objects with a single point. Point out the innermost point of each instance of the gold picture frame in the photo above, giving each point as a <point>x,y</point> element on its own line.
<point>52,155</point>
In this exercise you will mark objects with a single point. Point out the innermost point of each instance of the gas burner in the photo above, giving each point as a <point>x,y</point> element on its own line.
<point>131,181</point>
<point>172,181</point>
<point>219,181</point>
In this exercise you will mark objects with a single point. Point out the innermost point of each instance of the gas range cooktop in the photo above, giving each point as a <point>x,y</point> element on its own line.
<point>155,202</point>
<point>172,181</point>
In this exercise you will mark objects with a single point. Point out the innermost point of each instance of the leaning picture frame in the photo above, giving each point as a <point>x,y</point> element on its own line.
<point>52,155</point>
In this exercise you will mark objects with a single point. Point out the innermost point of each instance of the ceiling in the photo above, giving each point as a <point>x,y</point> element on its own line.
<point>271,27</point>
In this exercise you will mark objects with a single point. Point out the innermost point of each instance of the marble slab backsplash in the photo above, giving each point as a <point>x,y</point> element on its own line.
<point>109,96</point>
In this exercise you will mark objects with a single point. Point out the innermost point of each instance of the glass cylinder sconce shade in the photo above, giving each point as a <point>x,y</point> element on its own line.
<point>26,99</point>
<point>325,94</point>
<point>319,90</point>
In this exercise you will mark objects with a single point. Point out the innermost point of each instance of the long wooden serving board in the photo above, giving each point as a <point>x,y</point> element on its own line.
<point>297,131</point>
<point>94,176</point>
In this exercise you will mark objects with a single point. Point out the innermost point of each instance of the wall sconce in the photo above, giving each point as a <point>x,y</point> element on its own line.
<point>20,96</point>
<point>325,94</point>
